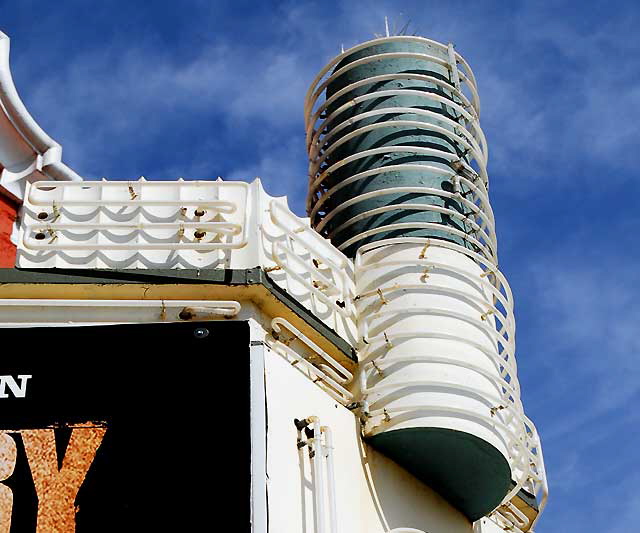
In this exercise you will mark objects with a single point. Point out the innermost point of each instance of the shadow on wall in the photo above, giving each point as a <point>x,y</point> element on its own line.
<point>404,504</point>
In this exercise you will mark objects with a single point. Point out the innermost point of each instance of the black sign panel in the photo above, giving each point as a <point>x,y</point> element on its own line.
<point>137,427</point>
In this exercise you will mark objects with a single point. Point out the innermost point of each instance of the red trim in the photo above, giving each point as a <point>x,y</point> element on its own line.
<point>9,196</point>
<point>9,205</point>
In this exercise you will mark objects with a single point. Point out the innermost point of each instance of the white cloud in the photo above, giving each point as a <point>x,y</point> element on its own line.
<point>589,313</point>
<point>540,119</point>
<point>282,173</point>
<point>582,374</point>
<point>102,99</point>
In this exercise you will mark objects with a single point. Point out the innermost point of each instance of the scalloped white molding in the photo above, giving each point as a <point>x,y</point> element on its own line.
<point>27,153</point>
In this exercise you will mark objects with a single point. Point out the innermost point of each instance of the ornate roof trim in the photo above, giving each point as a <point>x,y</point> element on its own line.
<point>27,153</point>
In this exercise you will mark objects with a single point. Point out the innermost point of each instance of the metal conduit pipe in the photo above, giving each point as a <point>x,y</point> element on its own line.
<point>318,475</point>
<point>320,442</point>
<point>331,478</point>
<point>398,181</point>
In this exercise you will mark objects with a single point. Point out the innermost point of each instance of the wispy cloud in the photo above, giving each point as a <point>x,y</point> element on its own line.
<point>142,104</point>
<point>552,88</point>
<point>580,371</point>
<point>590,316</point>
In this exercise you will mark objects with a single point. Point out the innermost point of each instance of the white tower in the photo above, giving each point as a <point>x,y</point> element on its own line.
<point>398,182</point>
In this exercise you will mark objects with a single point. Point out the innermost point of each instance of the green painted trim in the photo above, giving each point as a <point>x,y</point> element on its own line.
<point>230,277</point>
<point>116,276</point>
<point>467,471</point>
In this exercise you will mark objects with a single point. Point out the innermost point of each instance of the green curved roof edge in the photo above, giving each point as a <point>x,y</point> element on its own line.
<point>467,471</point>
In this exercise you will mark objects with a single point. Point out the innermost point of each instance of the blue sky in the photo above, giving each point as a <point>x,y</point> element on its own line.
<point>201,89</point>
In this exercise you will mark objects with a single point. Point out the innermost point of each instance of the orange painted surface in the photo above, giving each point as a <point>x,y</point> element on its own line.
<point>8,210</point>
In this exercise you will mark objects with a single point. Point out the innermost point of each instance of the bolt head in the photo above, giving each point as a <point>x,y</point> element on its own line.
<point>201,333</point>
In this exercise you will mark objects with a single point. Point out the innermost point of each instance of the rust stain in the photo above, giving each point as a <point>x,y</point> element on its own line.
<point>57,489</point>
<point>8,455</point>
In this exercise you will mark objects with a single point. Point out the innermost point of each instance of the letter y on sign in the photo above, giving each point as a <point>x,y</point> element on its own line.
<point>57,489</point>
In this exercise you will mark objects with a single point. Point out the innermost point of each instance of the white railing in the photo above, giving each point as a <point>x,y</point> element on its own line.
<point>465,78</point>
<point>495,319</point>
<point>135,216</point>
<point>311,360</point>
<point>509,518</point>
<point>312,261</point>
<point>462,128</point>
<point>187,225</point>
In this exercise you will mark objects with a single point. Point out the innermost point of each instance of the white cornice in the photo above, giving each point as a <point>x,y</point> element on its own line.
<point>27,153</point>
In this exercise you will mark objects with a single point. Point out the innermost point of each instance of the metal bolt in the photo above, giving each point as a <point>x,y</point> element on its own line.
<point>201,333</point>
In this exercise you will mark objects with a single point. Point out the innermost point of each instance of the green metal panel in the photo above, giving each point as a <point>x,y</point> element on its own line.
<point>392,135</point>
<point>466,470</point>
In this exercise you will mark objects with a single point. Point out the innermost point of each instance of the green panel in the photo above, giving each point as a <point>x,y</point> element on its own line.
<point>392,135</point>
<point>467,471</point>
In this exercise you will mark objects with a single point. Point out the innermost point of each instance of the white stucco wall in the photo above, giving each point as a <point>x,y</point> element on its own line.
<point>373,494</point>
